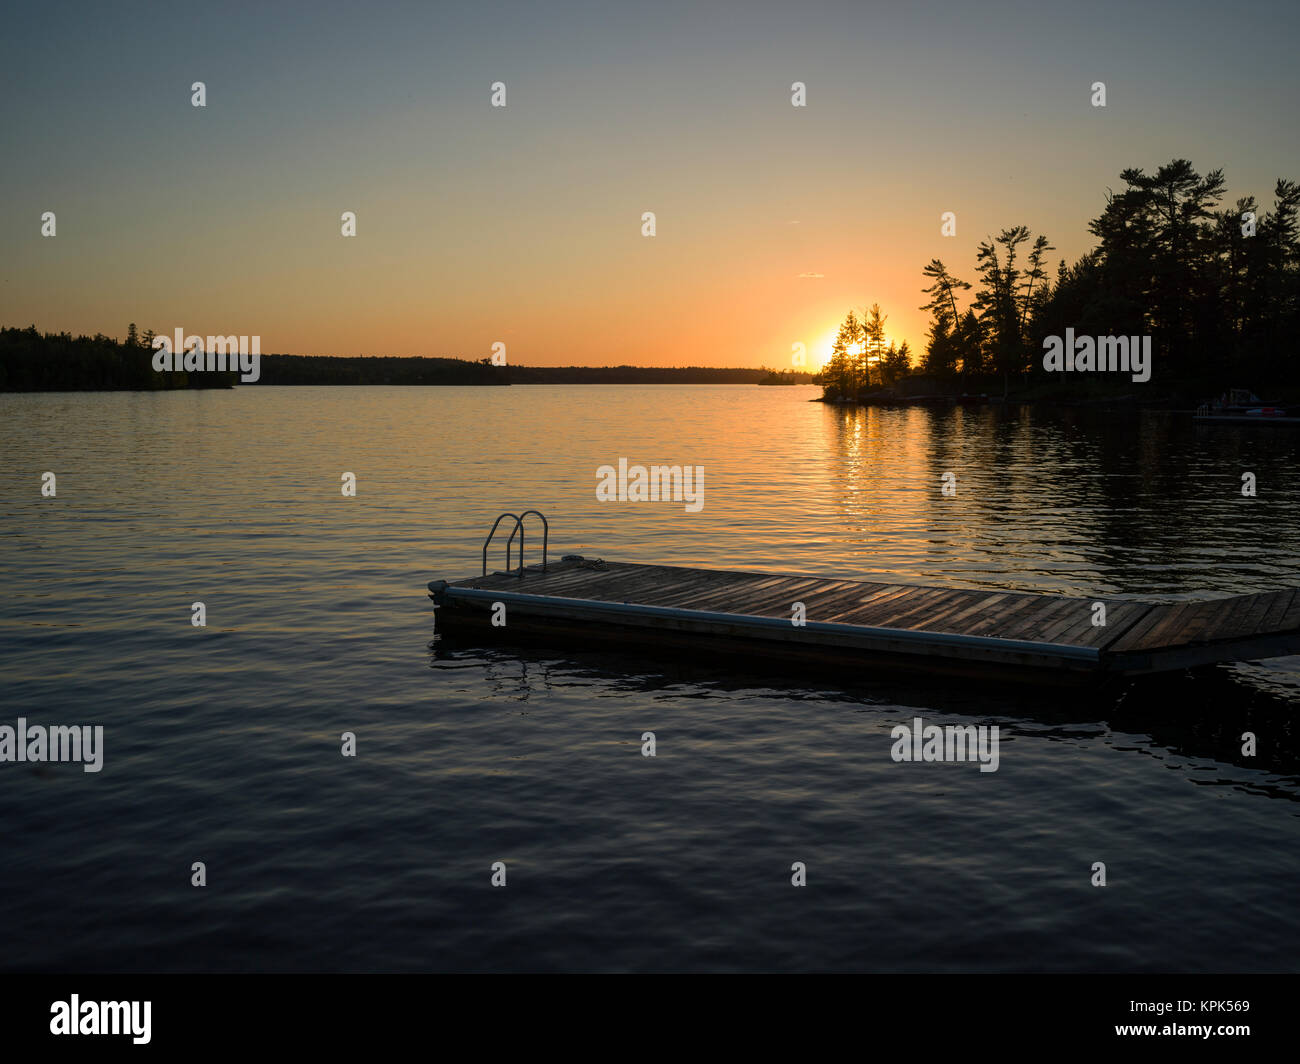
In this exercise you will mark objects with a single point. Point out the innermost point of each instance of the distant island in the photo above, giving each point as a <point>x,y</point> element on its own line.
<point>787,376</point>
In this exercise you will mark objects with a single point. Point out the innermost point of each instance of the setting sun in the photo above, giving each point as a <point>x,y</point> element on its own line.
<point>825,348</point>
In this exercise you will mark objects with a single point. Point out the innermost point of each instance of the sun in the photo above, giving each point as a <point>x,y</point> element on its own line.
<point>826,345</point>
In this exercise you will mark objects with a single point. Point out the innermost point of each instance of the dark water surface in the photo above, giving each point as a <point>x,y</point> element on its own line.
<point>222,744</point>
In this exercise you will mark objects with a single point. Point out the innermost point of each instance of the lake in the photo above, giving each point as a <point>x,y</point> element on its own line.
<point>222,743</point>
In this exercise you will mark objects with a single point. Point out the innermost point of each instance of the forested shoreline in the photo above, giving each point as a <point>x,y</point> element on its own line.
<point>1217,289</point>
<point>34,361</point>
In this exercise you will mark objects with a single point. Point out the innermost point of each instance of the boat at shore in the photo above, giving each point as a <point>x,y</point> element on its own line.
<point>1242,406</point>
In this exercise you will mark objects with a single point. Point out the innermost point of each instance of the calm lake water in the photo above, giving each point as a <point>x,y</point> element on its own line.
<point>222,744</point>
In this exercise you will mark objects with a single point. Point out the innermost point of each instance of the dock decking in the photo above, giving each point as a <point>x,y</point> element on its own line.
<point>1034,637</point>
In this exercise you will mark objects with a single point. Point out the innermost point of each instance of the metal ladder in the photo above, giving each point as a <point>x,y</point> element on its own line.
<point>518,530</point>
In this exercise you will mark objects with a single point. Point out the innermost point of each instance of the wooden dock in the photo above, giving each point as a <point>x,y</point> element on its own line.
<point>1031,637</point>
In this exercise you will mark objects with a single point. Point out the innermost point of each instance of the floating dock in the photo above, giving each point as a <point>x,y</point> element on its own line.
<point>1031,637</point>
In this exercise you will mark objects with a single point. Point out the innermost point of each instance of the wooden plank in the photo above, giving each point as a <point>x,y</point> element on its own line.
<point>949,600</point>
<point>825,608</point>
<point>1200,622</point>
<point>816,599</point>
<point>956,622</point>
<point>1262,601</point>
<point>1055,630</point>
<point>846,612</point>
<point>872,612</point>
<point>1291,619</point>
<point>679,587</point>
<point>1025,619</point>
<point>1032,622</point>
<point>1134,636</point>
<point>552,583</point>
<point>1082,632</point>
<point>577,574</point>
<point>728,596</point>
<point>993,611</point>
<point>609,586</point>
<point>1113,632</point>
<point>665,585</point>
<point>679,598</point>
<point>821,602</point>
<point>774,601</point>
<point>1186,622</point>
<point>935,618</point>
<point>612,586</point>
<point>896,613</point>
<point>1231,622</point>
<point>1276,610</point>
<point>620,583</point>
<point>1119,616</point>
<point>1158,615</point>
<point>649,584</point>
<point>739,585</point>
<point>1012,613</point>
<point>1181,621</point>
<point>728,599</point>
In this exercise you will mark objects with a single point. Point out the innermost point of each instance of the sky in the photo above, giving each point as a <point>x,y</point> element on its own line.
<point>523,224</point>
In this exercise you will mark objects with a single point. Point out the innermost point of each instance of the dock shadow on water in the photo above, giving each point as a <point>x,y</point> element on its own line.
<point>1204,713</point>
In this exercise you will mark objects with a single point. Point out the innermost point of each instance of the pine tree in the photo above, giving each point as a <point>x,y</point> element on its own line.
<point>952,338</point>
<point>873,344</point>
<point>969,344</point>
<point>940,352</point>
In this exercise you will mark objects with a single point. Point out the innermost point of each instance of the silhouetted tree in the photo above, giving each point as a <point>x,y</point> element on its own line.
<point>956,340</point>
<point>1218,297</point>
<point>941,353</point>
<point>873,345</point>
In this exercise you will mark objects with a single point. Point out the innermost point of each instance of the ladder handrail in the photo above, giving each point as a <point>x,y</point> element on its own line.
<point>488,541</point>
<point>520,532</point>
<point>546,535</point>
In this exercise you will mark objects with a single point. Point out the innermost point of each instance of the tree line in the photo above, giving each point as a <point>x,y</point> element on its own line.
<point>35,361</point>
<point>859,360</point>
<point>1217,289</point>
<point>32,361</point>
